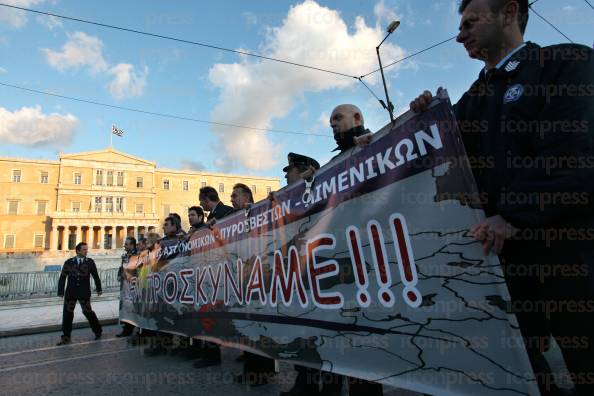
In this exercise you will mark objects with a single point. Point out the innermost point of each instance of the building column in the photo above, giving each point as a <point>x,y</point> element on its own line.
<point>65,233</point>
<point>101,236</point>
<point>79,234</point>
<point>53,245</point>
<point>113,237</point>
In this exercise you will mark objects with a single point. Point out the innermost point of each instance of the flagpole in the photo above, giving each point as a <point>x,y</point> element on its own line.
<point>111,137</point>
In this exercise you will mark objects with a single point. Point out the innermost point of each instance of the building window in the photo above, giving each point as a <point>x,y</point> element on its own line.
<point>202,184</point>
<point>221,188</point>
<point>268,189</point>
<point>166,210</point>
<point>186,185</point>
<point>99,177</point>
<point>120,180</point>
<point>139,182</point>
<point>16,176</point>
<point>98,204</point>
<point>165,184</point>
<point>108,204</point>
<point>254,189</point>
<point>119,204</point>
<point>44,177</point>
<point>9,241</point>
<point>77,178</point>
<point>41,206</point>
<point>139,208</point>
<point>75,206</point>
<point>110,178</point>
<point>38,242</point>
<point>13,207</point>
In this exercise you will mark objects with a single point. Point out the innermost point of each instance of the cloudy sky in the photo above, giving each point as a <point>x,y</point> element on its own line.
<point>124,69</point>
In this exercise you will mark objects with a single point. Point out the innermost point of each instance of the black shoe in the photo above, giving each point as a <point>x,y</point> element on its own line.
<point>64,341</point>
<point>98,336</point>
<point>205,361</point>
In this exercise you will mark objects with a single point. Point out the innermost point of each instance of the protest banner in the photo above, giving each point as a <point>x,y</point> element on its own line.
<point>368,271</point>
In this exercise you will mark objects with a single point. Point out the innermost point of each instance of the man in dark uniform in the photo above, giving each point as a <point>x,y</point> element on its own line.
<point>209,200</point>
<point>531,113</point>
<point>129,251</point>
<point>78,271</point>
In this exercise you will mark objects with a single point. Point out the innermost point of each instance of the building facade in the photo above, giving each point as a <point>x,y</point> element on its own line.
<point>99,197</point>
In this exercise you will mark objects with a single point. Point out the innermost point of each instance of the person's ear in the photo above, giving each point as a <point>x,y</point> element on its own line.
<point>511,10</point>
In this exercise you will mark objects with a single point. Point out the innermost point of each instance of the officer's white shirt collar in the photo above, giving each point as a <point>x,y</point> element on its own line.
<point>507,57</point>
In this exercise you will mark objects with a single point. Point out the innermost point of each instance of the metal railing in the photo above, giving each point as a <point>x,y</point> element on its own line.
<point>23,285</point>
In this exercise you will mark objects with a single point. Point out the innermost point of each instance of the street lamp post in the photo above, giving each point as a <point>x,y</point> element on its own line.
<point>390,107</point>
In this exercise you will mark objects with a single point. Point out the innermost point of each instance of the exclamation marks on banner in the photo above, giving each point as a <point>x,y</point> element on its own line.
<point>358,261</point>
<point>380,262</point>
<point>406,260</point>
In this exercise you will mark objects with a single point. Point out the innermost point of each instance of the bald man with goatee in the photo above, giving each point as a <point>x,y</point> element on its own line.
<point>347,124</point>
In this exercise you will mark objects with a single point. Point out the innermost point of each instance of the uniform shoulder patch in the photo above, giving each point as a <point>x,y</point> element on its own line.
<point>513,93</point>
<point>511,66</point>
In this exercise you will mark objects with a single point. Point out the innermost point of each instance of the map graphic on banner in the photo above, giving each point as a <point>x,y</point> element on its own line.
<point>368,271</point>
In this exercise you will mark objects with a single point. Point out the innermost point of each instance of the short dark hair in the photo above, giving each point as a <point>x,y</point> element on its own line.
<point>142,240</point>
<point>198,209</point>
<point>80,245</point>
<point>245,189</point>
<point>175,221</point>
<point>132,240</point>
<point>497,5</point>
<point>209,193</point>
<point>178,217</point>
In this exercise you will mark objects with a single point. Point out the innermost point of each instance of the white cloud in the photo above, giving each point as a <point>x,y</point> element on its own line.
<point>3,70</point>
<point>81,50</point>
<point>126,82</point>
<point>29,126</point>
<point>384,14</point>
<point>569,8</point>
<point>193,165</point>
<point>13,17</point>
<point>257,92</point>
<point>50,22</point>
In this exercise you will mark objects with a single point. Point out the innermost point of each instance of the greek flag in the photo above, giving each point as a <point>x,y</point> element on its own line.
<point>116,131</point>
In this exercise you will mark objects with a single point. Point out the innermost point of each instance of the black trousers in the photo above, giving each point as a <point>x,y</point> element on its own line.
<point>257,364</point>
<point>68,316</point>
<point>553,297</point>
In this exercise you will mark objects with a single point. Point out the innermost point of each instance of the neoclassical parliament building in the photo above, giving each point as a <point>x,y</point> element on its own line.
<point>99,197</point>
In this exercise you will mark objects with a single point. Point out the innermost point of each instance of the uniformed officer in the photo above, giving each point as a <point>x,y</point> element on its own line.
<point>78,271</point>
<point>299,164</point>
<point>530,114</point>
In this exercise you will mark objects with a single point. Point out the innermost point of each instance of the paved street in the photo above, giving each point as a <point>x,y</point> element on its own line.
<point>33,365</point>
<point>16,316</point>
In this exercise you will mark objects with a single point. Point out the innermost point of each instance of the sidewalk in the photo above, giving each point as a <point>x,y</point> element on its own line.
<point>45,314</point>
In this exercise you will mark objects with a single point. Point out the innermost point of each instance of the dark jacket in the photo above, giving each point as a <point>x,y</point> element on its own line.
<point>79,279</point>
<point>220,211</point>
<point>350,142</point>
<point>528,131</point>
<point>125,258</point>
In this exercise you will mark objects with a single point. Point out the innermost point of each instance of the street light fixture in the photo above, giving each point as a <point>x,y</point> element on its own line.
<point>390,107</point>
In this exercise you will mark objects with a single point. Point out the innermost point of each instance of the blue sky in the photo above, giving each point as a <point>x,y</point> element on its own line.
<point>105,65</point>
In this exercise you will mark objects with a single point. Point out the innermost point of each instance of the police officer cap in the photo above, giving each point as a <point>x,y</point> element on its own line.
<point>300,161</point>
